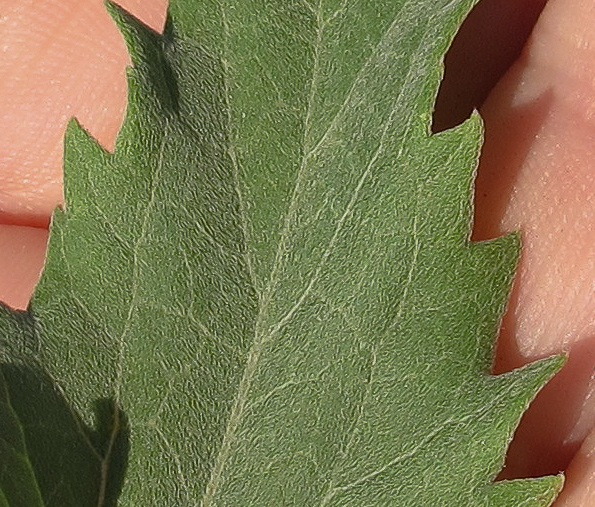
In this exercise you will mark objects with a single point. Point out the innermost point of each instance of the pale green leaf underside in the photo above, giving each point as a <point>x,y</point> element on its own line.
<point>268,291</point>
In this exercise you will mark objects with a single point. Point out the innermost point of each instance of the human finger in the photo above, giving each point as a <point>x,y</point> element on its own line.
<point>537,175</point>
<point>61,58</point>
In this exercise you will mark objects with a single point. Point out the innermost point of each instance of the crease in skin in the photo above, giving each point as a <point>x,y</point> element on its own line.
<point>60,58</point>
<point>24,252</point>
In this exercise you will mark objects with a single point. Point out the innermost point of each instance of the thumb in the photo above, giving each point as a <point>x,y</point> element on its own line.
<point>537,175</point>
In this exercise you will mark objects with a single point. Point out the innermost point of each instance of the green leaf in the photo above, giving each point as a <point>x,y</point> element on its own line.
<point>267,295</point>
<point>18,487</point>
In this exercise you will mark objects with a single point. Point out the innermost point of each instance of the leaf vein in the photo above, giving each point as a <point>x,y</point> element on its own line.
<point>476,414</point>
<point>292,382</point>
<point>136,265</point>
<point>232,152</point>
<point>259,337</point>
<point>178,462</point>
<point>359,77</point>
<point>346,214</point>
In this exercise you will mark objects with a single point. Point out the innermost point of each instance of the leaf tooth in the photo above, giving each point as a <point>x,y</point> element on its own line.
<point>456,170</point>
<point>540,492</point>
<point>494,265</point>
<point>151,67</point>
<point>445,23</point>
<point>135,32</point>
<point>521,386</point>
<point>78,144</point>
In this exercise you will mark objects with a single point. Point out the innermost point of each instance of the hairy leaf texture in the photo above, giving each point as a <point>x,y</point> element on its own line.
<point>267,295</point>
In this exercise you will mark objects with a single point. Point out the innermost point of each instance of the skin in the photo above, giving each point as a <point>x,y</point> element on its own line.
<point>536,175</point>
<point>72,64</point>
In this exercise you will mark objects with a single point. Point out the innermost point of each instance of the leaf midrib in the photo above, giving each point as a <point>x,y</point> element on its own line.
<point>261,333</point>
<point>264,299</point>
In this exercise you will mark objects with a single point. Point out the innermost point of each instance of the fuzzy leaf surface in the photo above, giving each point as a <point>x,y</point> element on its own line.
<point>267,295</point>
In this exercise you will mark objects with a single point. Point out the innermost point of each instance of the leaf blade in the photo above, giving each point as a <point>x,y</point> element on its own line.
<point>289,298</point>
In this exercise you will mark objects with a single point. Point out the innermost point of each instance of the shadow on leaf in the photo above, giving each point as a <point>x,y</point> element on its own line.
<point>49,453</point>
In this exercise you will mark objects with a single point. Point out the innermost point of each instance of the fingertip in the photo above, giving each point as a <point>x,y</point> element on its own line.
<point>61,58</point>
<point>536,175</point>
